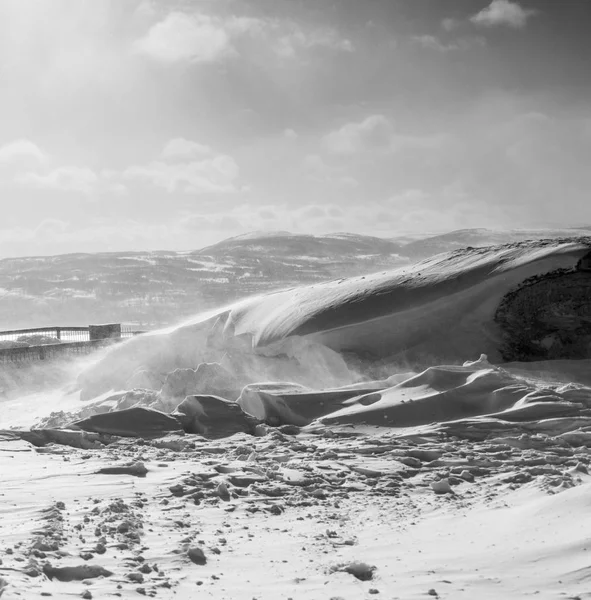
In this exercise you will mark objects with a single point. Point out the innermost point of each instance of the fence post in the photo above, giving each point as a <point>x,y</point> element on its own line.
<point>104,332</point>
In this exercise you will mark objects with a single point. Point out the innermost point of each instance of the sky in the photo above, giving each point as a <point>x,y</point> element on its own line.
<point>160,124</point>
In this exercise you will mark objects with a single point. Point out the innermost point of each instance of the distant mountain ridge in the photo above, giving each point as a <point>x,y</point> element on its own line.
<point>162,287</point>
<point>462,238</point>
<point>305,245</point>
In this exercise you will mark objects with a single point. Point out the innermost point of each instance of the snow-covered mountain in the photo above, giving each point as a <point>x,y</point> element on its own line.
<point>462,238</point>
<point>152,289</point>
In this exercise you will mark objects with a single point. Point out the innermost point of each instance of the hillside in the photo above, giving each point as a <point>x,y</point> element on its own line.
<point>153,289</point>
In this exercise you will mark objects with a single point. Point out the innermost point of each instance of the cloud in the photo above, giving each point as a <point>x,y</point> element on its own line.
<point>188,167</point>
<point>318,170</point>
<point>267,213</point>
<point>29,166</point>
<point>212,175</point>
<point>313,212</point>
<point>202,38</point>
<point>431,42</point>
<point>375,133</point>
<point>181,37</point>
<point>182,148</point>
<point>68,178</point>
<point>291,43</point>
<point>372,132</point>
<point>241,218</point>
<point>408,210</point>
<point>53,236</point>
<point>416,210</point>
<point>503,12</point>
<point>21,150</point>
<point>450,24</point>
<point>182,166</point>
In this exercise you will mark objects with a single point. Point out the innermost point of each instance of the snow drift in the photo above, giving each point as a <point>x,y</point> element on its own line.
<point>442,310</point>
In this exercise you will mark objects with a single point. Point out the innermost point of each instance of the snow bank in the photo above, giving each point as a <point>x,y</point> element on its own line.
<point>441,310</point>
<point>286,356</point>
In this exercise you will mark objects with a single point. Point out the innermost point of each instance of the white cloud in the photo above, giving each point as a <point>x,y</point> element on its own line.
<point>215,175</point>
<point>372,132</point>
<point>312,212</point>
<point>29,166</point>
<point>431,42</point>
<point>53,236</point>
<point>200,38</point>
<point>182,37</point>
<point>503,12</point>
<point>145,10</point>
<point>21,150</point>
<point>317,169</point>
<point>267,213</point>
<point>291,43</point>
<point>290,134</point>
<point>47,228</point>
<point>408,210</point>
<point>188,167</point>
<point>376,133</point>
<point>182,148</point>
<point>182,166</point>
<point>240,25</point>
<point>68,178</point>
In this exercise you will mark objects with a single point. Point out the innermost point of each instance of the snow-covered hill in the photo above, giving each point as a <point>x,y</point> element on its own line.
<point>152,289</point>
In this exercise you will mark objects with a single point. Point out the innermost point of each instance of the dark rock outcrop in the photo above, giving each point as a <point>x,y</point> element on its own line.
<point>548,317</point>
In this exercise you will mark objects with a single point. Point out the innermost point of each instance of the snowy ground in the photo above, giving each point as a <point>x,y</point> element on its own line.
<point>279,516</point>
<point>241,455</point>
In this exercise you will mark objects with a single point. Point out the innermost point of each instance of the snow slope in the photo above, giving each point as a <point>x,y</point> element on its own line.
<point>438,311</point>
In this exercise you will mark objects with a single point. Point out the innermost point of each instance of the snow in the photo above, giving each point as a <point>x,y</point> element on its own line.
<point>441,478</point>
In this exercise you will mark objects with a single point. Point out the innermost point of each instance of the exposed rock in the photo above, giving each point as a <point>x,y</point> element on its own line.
<point>585,263</point>
<point>75,573</point>
<point>467,476</point>
<point>137,469</point>
<point>223,492</point>
<point>442,487</point>
<point>360,570</point>
<point>197,556</point>
<point>548,316</point>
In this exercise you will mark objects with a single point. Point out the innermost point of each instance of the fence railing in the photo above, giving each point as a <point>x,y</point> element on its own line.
<point>42,343</point>
<point>29,354</point>
<point>70,334</point>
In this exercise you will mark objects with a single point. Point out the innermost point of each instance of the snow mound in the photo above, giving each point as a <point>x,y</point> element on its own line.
<point>438,311</point>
